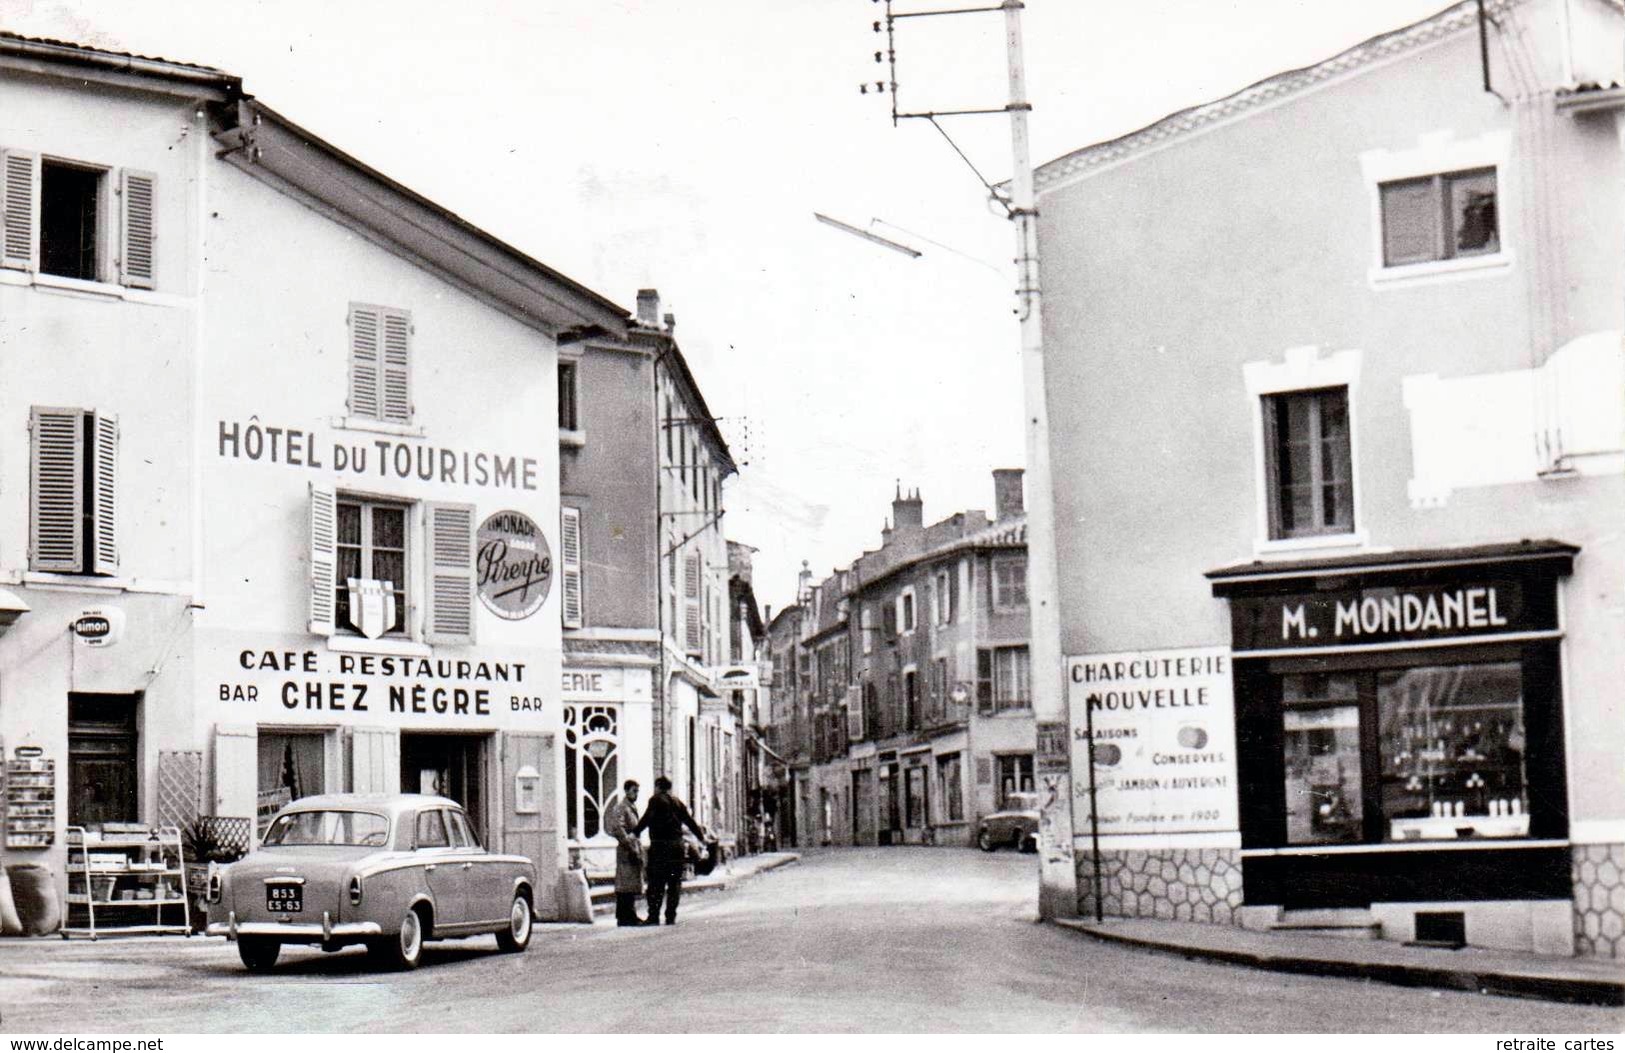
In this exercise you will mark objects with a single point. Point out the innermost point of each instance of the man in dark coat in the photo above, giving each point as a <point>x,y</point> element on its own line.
<point>664,819</point>
<point>618,823</point>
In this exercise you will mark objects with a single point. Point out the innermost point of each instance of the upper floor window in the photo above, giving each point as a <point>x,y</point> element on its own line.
<point>1308,463</point>
<point>944,597</point>
<point>73,491</point>
<point>380,363</point>
<point>377,546</point>
<point>1003,679</point>
<point>75,220</point>
<point>1010,584</point>
<point>905,611</point>
<point>568,419</point>
<point>867,628</point>
<point>1439,217</point>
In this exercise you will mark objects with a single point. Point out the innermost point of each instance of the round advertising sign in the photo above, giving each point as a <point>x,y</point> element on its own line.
<point>512,565</point>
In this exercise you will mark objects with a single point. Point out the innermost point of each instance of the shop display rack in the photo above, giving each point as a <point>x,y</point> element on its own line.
<point>121,881</point>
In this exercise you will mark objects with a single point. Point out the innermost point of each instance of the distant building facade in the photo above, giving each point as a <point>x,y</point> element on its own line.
<point>1343,490</point>
<point>903,702</point>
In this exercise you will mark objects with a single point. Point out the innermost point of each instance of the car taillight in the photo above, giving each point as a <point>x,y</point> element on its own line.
<point>355,891</point>
<point>214,892</point>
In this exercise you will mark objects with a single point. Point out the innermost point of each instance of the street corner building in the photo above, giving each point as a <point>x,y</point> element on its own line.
<point>279,506</point>
<point>1341,569</point>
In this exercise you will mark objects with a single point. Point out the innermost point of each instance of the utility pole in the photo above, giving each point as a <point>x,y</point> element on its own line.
<point>1058,879</point>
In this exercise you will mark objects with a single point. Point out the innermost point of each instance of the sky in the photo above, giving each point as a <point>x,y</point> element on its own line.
<point>685,145</point>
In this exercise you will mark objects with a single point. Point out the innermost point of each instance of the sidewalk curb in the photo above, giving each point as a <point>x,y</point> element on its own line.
<point>1518,985</point>
<point>604,902</point>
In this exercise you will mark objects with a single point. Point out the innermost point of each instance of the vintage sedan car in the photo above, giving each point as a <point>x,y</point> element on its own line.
<point>1015,825</point>
<point>385,870</point>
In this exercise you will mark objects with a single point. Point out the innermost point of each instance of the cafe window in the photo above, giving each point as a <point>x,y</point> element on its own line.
<point>371,546</point>
<point>291,765</point>
<point>1421,753</point>
<point>1308,463</point>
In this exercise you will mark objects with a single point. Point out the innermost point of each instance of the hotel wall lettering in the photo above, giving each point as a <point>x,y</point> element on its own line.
<point>362,686</point>
<point>376,458</point>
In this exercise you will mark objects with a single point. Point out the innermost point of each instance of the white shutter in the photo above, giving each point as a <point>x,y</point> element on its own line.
<point>323,557</point>
<point>56,490</point>
<point>691,590</point>
<point>19,209</point>
<point>1411,222</point>
<point>451,574</point>
<point>375,760</point>
<point>364,361</point>
<point>397,367</point>
<point>135,265</point>
<point>104,495</point>
<point>570,566</point>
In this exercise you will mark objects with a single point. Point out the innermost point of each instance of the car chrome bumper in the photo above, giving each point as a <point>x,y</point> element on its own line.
<point>324,931</point>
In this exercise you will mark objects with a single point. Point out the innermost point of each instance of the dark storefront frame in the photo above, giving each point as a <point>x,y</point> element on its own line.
<point>1374,866</point>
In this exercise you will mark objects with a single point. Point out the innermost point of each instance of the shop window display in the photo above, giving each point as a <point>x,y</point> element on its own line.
<point>1321,724</point>
<point>1452,742</point>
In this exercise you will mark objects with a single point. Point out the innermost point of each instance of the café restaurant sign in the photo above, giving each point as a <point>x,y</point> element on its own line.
<point>1163,747</point>
<point>1385,615</point>
<point>512,565</point>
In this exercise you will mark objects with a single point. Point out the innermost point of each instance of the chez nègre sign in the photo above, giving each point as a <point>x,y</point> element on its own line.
<point>1386,615</point>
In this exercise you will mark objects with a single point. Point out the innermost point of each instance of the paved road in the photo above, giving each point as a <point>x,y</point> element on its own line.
<point>851,940</point>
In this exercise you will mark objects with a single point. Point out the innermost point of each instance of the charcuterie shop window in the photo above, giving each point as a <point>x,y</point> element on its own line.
<point>1420,753</point>
<point>371,546</point>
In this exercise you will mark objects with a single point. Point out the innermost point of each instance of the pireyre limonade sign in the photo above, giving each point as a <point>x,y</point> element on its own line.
<point>513,567</point>
<point>1163,745</point>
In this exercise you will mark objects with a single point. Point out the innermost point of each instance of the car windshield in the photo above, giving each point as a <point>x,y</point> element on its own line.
<point>329,828</point>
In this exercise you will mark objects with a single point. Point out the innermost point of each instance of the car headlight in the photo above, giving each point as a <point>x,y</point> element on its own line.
<point>355,891</point>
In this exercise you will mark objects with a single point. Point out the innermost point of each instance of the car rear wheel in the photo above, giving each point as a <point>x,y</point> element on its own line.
<point>259,953</point>
<point>984,841</point>
<point>516,937</point>
<point>405,949</point>
<point>1027,843</point>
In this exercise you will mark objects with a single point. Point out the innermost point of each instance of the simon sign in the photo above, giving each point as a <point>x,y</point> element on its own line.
<point>513,566</point>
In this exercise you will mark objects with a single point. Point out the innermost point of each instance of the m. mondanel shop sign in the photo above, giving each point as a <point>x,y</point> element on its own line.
<point>1384,615</point>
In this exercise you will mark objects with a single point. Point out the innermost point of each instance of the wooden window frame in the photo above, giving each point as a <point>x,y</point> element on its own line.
<point>403,590</point>
<point>1445,229</point>
<point>569,406</point>
<point>1002,589</point>
<point>1273,423</point>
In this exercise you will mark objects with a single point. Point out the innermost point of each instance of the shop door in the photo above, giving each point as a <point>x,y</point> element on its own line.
<point>450,766</point>
<point>863,807</point>
<point>916,810</point>
<point>891,811</point>
<point>102,760</point>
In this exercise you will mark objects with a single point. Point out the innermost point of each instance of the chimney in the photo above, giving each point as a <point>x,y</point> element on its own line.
<point>885,532</point>
<point>1007,499</point>
<point>671,322</point>
<point>907,512</point>
<point>649,308</point>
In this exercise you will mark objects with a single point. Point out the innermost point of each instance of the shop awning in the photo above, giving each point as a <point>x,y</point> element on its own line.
<point>1557,555</point>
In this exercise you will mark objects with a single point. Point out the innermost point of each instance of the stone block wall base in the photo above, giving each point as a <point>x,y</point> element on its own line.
<point>1599,901</point>
<point>1174,884</point>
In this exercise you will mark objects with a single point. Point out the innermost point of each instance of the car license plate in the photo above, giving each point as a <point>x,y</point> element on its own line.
<point>284,899</point>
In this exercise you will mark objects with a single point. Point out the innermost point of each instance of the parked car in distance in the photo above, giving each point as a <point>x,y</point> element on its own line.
<point>1016,824</point>
<point>385,870</point>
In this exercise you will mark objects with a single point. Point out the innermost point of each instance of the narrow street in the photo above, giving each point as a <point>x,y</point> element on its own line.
<point>895,939</point>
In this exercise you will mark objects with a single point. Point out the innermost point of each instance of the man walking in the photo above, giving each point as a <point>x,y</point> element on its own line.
<point>622,817</point>
<point>664,819</point>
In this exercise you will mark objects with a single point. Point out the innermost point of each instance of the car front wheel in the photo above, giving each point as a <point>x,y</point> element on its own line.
<point>516,937</point>
<point>984,841</point>
<point>258,953</point>
<point>405,949</point>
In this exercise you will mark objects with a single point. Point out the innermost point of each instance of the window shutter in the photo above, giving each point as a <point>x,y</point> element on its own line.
<point>984,680</point>
<point>888,619</point>
<point>1411,222</point>
<point>19,209</point>
<point>693,640</point>
<point>56,490</point>
<point>397,367</point>
<point>323,557</point>
<point>364,361</point>
<point>451,574</point>
<point>104,495</point>
<point>1271,482</point>
<point>135,266</point>
<point>570,565</point>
